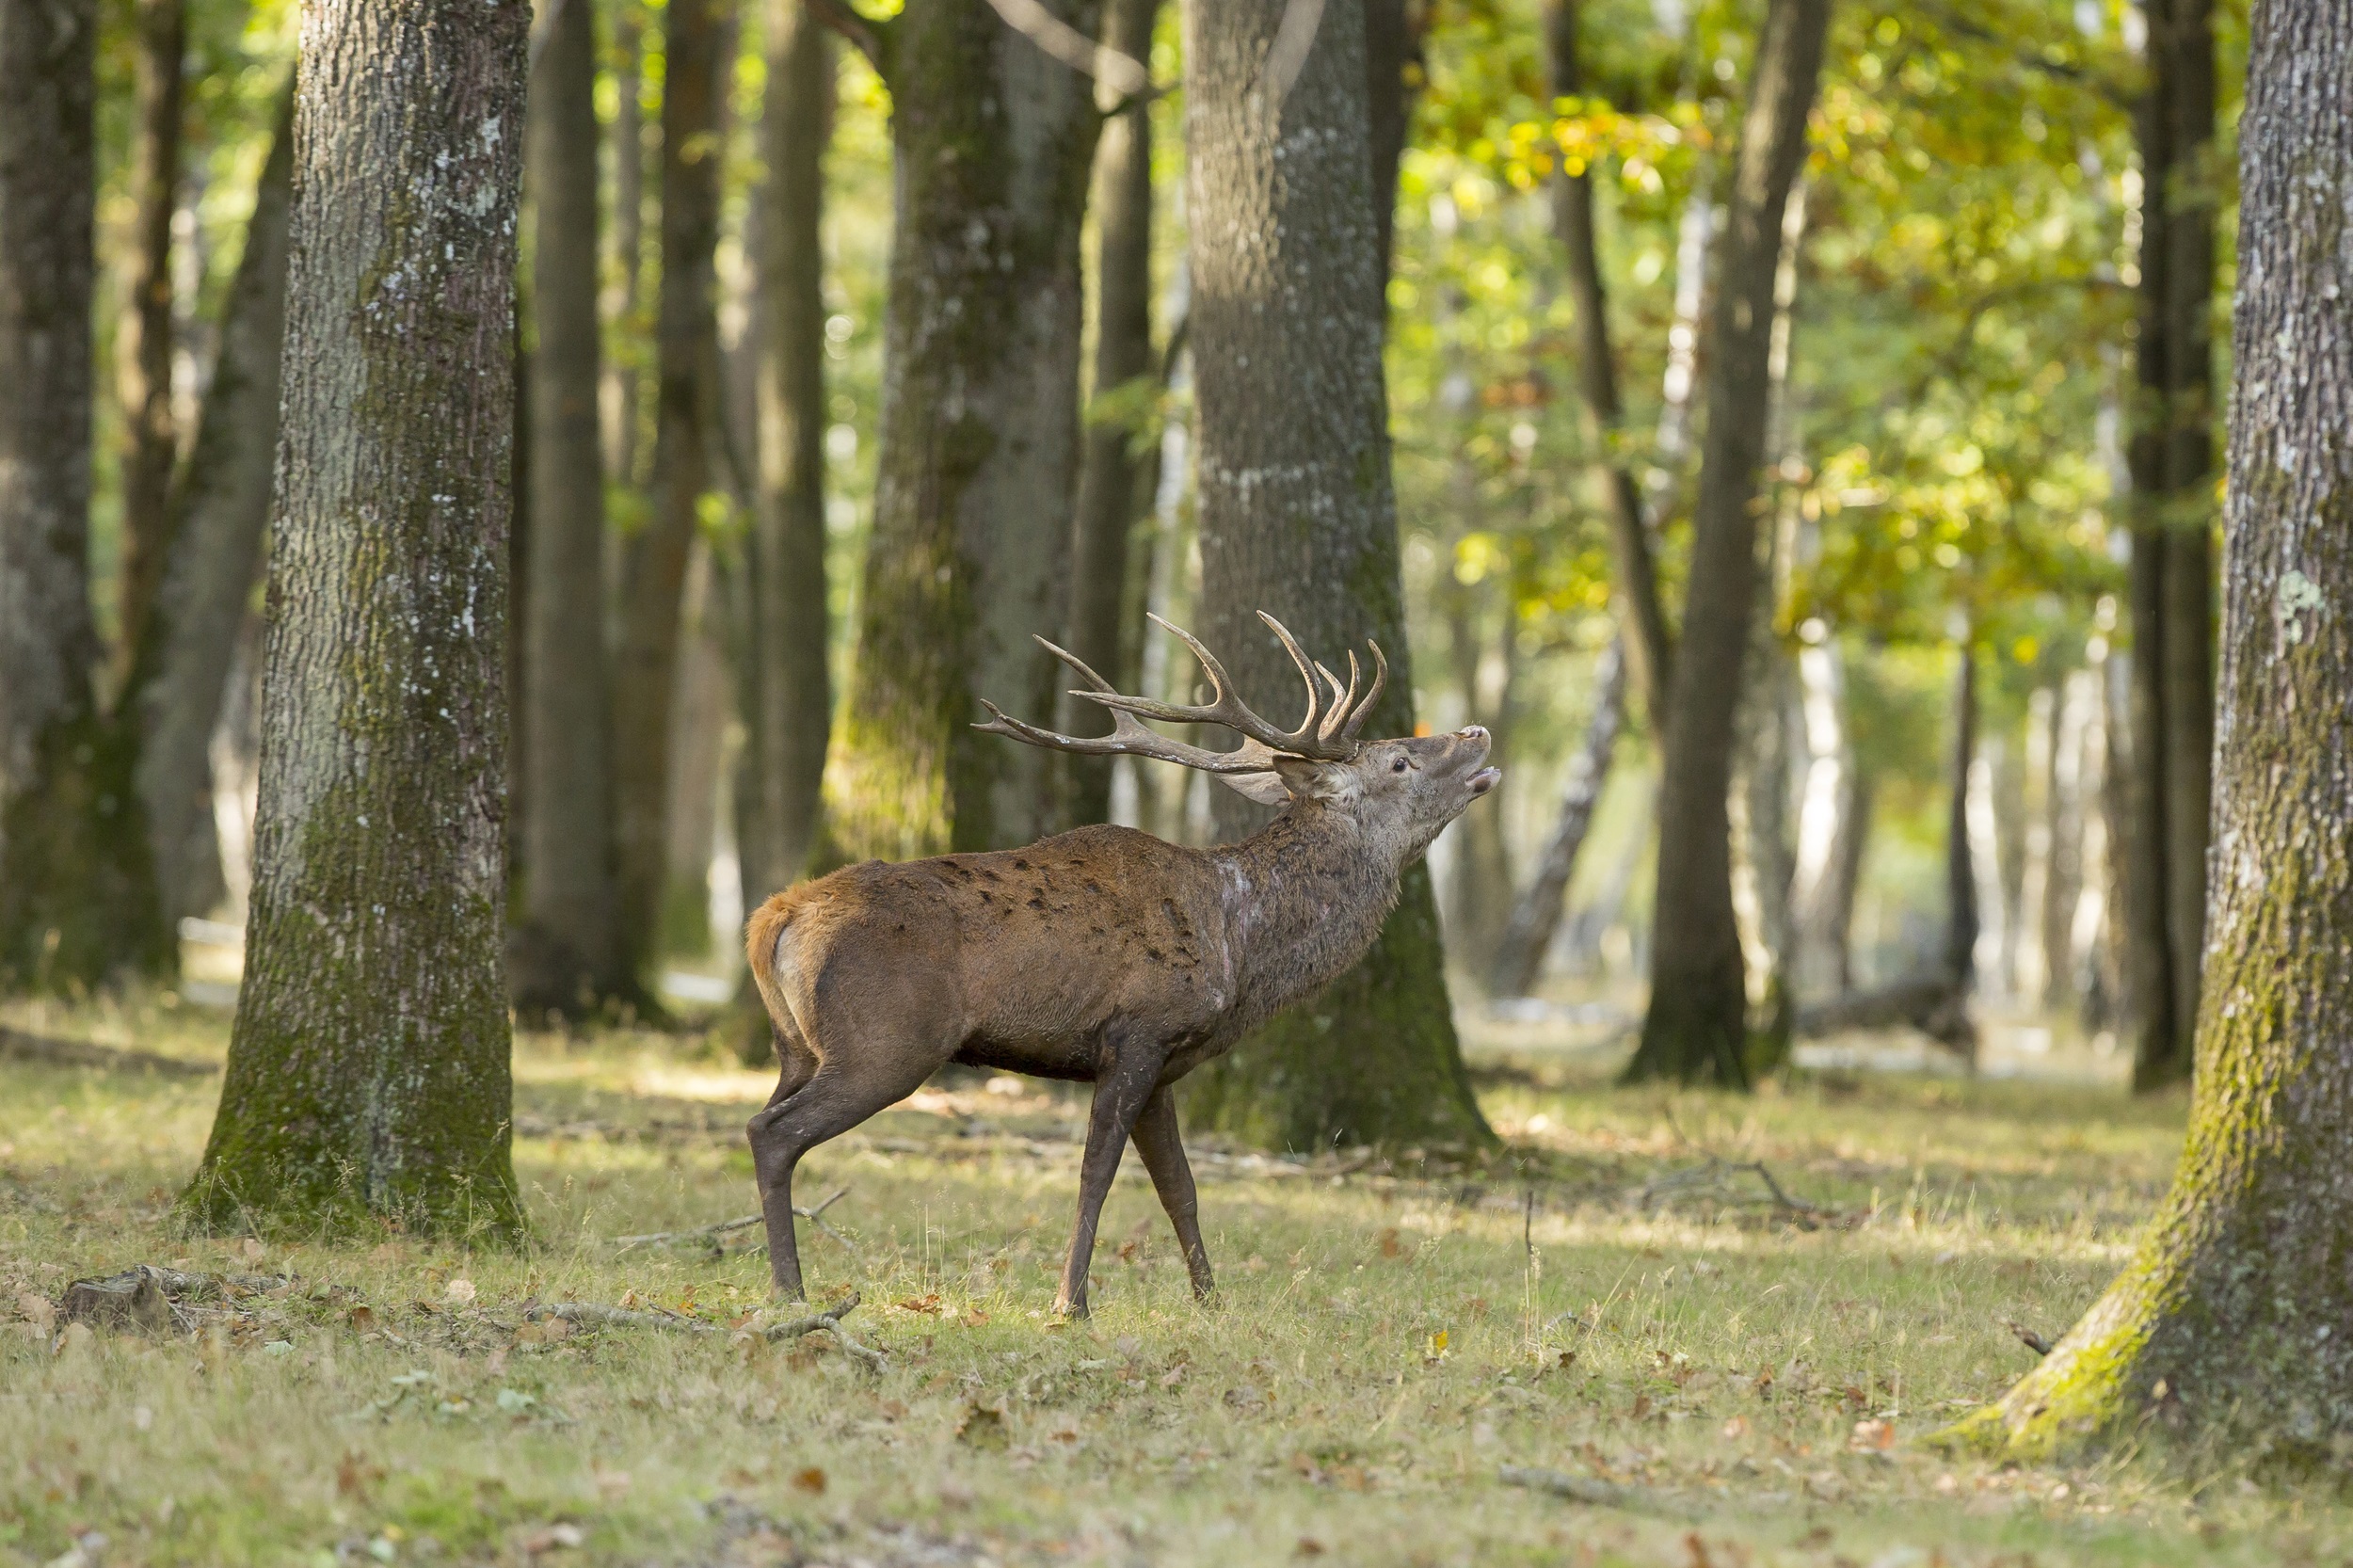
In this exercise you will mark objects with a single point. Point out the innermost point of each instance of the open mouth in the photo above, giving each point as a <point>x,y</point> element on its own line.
<point>1485,779</point>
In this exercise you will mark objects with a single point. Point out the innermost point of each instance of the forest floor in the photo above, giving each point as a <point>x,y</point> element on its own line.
<point>1713,1373</point>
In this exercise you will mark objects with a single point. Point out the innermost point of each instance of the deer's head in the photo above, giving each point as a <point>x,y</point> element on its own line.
<point>1397,793</point>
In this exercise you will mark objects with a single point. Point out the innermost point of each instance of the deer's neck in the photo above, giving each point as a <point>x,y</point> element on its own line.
<point>1304,897</point>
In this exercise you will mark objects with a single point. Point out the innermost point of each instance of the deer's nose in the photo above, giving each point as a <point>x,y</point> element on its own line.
<point>1475,732</point>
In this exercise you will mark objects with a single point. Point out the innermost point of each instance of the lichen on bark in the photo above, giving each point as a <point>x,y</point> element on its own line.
<point>368,1078</point>
<point>2229,1327</point>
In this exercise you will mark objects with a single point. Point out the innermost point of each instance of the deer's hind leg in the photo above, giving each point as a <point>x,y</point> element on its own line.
<point>1163,1153</point>
<point>841,1094</point>
<point>1119,1098</point>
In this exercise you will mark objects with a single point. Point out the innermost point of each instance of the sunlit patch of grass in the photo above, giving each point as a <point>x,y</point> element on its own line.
<point>1388,1336</point>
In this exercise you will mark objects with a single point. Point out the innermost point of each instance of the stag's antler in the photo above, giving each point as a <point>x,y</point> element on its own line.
<point>1328,733</point>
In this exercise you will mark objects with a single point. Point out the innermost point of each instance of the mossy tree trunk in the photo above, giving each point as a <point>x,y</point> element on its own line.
<point>219,507</point>
<point>368,1070</point>
<point>77,887</point>
<point>2171,587</point>
<point>654,560</point>
<point>1297,517</point>
<point>970,554</point>
<point>793,690</point>
<point>566,954</point>
<point>2231,1321</point>
<point>1113,497</point>
<point>1697,1026</point>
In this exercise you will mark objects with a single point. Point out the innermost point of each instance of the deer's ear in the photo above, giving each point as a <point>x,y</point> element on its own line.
<point>1264,788</point>
<point>1309,778</point>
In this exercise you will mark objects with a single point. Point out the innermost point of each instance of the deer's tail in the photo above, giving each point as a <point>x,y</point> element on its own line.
<point>761,934</point>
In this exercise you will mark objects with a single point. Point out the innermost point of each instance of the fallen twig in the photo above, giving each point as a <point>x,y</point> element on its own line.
<point>147,1296</point>
<point>712,1233</point>
<point>829,1321</point>
<point>1584,1488</point>
<point>1713,1174</point>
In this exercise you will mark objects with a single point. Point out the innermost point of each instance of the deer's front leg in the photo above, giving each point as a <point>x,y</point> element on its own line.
<point>1119,1098</point>
<point>1163,1153</point>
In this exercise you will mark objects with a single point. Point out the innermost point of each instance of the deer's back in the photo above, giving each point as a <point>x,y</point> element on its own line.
<point>1023,955</point>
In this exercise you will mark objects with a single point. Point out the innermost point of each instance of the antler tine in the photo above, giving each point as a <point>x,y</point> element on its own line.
<point>1129,739</point>
<point>1363,711</point>
<point>1226,707</point>
<point>1309,725</point>
<point>1343,700</point>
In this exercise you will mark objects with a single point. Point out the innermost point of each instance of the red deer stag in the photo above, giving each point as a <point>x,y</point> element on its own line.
<point>1104,955</point>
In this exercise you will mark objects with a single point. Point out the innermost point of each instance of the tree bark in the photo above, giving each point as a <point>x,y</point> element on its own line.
<point>2229,1323</point>
<point>1297,517</point>
<point>2172,568</point>
<point>970,549</point>
<point>219,509</point>
<point>566,956</point>
<point>1111,495</point>
<point>1635,573</point>
<point>1536,914</point>
<point>644,669</point>
<point>77,891</point>
<point>151,441</point>
<point>368,1069</point>
<point>1695,1031</point>
<point>791,689</point>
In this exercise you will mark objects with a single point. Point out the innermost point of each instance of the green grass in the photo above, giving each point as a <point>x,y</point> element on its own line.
<point>1757,1386</point>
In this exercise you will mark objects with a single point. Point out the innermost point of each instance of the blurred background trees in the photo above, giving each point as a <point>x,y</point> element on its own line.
<point>857,347</point>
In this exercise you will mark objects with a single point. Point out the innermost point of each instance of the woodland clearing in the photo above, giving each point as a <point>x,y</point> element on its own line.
<point>1404,1354</point>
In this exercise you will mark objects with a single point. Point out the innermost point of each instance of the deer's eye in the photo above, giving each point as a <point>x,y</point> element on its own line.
<point>1398,766</point>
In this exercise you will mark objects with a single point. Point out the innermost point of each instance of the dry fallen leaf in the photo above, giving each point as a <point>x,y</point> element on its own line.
<point>363,1319</point>
<point>919,1304</point>
<point>1736,1428</point>
<point>1390,1246</point>
<point>459,1292</point>
<point>37,1310</point>
<point>1873,1436</point>
<point>566,1536</point>
<point>812,1480</point>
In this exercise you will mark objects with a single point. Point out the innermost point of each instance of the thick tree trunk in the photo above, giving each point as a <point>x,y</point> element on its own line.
<point>970,549</point>
<point>1111,495</point>
<point>151,441</point>
<point>2229,1322</point>
<point>218,509</point>
<point>1536,914</point>
<point>368,1069</point>
<point>792,691</point>
<point>1649,644</point>
<point>78,889</point>
<point>654,562</point>
<point>566,956</point>
<point>1696,1028</point>
<point>1297,517</point>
